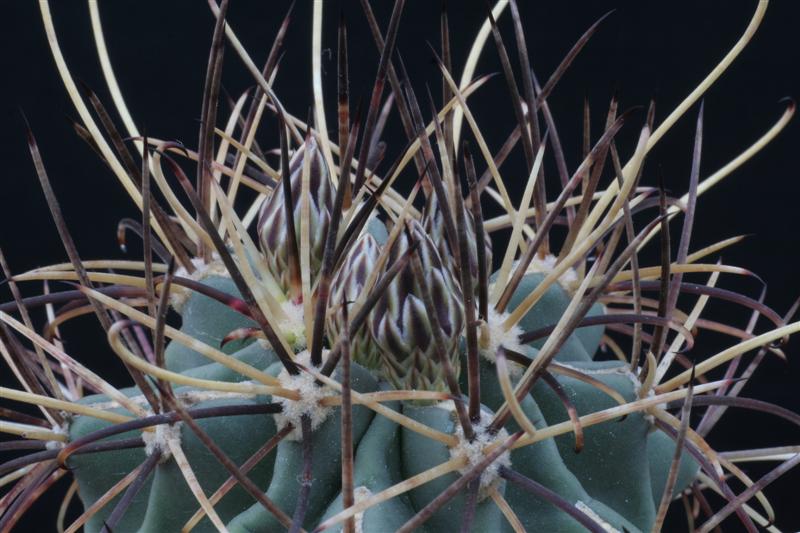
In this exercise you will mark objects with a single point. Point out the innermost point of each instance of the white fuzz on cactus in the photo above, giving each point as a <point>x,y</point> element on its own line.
<point>493,335</point>
<point>156,441</point>
<point>546,264</point>
<point>202,270</point>
<point>292,325</point>
<point>474,450</point>
<point>309,403</point>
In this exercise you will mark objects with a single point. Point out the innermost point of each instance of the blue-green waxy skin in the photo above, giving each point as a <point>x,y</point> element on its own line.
<point>254,354</point>
<point>419,453</point>
<point>377,229</point>
<point>326,467</point>
<point>376,468</point>
<point>97,472</point>
<point>547,311</point>
<point>591,336</point>
<point>613,466</point>
<point>171,504</point>
<point>208,321</point>
<point>165,503</point>
<point>620,473</point>
<point>543,463</point>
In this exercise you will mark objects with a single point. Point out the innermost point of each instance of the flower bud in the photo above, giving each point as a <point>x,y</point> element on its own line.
<point>272,230</point>
<point>400,323</point>
<point>433,223</point>
<point>347,285</point>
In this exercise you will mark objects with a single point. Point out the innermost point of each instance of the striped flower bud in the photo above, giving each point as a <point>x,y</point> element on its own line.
<point>400,323</point>
<point>272,230</point>
<point>347,285</point>
<point>433,222</point>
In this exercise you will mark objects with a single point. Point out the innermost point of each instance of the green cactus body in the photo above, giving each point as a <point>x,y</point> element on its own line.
<point>171,503</point>
<point>419,454</point>
<point>284,485</point>
<point>613,466</point>
<point>207,321</point>
<point>547,311</point>
<point>377,467</point>
<point>387,453</point>
<point>660,451</point>
<point>96,473</point>
<point>166,503</point>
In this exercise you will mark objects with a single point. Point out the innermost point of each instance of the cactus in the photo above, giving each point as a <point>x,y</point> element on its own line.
<point>359,366</point>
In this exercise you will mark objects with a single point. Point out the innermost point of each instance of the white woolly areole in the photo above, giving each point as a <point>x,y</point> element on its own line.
<point>647,416</point>
<point>473,451</point>
<point>588,511</point>
<point>492,335</point>
<point>179,295</point>
<point>360,494</point>
<point>637,387</point>
<point>546,264</point>
<point>293,326</point>
<point>311,395</point>
<point>60,430</point>
<point>158,437</point>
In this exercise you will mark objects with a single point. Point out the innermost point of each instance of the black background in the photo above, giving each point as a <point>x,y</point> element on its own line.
<point>644,50</point>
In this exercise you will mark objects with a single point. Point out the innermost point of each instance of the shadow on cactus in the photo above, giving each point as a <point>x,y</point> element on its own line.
<point>347,359</point>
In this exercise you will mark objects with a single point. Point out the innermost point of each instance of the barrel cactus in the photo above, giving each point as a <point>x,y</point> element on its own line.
<point>351,358</point>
